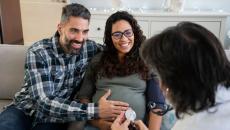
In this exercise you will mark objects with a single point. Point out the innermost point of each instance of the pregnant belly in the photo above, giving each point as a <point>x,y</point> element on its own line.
<point>136,100</point>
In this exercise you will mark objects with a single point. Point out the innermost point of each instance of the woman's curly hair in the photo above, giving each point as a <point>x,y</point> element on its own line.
<point>109,65</point>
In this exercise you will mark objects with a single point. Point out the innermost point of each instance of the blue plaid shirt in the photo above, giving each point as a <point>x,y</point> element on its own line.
<point>50,78</point>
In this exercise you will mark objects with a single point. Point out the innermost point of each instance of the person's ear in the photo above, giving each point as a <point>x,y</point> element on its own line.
<point>59,28</point>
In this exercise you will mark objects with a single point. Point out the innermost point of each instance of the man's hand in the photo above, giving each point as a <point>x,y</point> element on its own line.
<point>109,108</point>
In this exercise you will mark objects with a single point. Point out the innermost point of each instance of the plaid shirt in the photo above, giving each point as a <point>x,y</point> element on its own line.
<point>50,78</point>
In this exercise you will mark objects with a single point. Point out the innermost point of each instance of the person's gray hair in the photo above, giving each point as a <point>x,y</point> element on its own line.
<point>75,10</point>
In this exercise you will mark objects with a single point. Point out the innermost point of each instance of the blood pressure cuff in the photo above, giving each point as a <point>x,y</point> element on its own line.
<point>153,92</point>
<point>155,98</point>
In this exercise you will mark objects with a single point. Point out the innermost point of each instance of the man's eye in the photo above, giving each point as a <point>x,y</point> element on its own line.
<point>73,30</point>
<point>85,32</point>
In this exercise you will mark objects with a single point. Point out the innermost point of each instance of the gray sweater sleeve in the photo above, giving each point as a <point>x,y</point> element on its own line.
<point>88,87</point>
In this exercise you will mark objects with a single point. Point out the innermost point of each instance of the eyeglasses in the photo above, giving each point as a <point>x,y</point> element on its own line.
<point>118,35</point>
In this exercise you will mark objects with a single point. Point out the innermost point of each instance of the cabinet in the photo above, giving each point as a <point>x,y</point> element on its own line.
<point>154,22</point>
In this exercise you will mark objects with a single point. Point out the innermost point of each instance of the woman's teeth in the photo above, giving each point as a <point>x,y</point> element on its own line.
<point>124,45</point>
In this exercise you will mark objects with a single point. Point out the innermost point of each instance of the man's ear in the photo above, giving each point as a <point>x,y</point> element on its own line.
<point>59,28</point>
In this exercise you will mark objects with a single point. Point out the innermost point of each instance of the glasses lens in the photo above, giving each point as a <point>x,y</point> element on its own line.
<point>128,33</point>
<point>117,35</point>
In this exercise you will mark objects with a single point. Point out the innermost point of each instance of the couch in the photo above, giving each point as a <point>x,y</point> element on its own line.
<point>12,58</point>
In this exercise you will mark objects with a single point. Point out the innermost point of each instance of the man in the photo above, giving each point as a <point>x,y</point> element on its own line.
<point>54,69</point>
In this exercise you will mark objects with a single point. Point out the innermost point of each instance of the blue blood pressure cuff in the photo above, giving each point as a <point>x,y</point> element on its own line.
<point>155,98</point>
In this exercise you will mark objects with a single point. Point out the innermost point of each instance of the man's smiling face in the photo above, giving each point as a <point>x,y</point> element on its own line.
<point>73,34</point>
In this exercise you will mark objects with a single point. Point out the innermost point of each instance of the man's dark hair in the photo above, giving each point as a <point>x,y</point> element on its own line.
<point>75,10</point>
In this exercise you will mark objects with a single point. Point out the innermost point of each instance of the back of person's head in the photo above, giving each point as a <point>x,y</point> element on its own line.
<point>191,63</point>
<point>74,10</point>
<point>117,16</point>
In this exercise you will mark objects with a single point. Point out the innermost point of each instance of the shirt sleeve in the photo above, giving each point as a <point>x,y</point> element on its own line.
<point>45,96</point>
<point>88,86</point>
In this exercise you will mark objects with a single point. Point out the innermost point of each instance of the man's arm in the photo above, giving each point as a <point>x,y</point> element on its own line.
<point>44,93</point>
<point>99,123</point>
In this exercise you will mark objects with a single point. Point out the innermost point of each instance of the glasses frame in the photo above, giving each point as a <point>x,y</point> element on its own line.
<point>122,34</point>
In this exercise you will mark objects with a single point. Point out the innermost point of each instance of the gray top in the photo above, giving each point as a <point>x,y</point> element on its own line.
<point>130,89</point>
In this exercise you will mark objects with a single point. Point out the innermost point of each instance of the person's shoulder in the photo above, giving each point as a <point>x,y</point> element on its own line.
<point>96,59</point>
<point>41,45</point>
<point>92,42</point>
<point>94,45</point>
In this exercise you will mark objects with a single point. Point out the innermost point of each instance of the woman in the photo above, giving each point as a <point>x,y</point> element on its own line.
<point>195,73</point>
<point>120,69</point>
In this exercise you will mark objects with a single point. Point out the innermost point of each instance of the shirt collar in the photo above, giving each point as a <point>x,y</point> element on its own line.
<point>56,45</point>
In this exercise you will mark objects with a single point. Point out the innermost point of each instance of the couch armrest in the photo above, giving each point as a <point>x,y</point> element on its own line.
<point>12,58</point>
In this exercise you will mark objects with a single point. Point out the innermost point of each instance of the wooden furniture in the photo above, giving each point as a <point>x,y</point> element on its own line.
<point>10,22</point>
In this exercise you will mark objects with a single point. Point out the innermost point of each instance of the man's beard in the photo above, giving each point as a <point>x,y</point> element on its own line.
<point>72,46</point>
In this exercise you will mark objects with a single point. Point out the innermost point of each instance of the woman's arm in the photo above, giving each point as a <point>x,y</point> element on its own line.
<point>154,94</point>
<point>154,121</point>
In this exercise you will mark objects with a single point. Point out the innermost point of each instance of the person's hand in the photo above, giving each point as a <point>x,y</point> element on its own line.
<point>109,108</point>
<point>140,125</point>
<point>120,123</point>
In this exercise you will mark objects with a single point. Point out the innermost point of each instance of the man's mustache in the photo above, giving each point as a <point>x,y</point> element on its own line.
<point>75,41</point>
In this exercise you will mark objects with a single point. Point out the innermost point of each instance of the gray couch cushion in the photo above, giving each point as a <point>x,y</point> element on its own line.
<point>12,58</point>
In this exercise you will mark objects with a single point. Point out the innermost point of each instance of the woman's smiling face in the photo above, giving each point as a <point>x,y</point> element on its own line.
<point>122,37</point>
